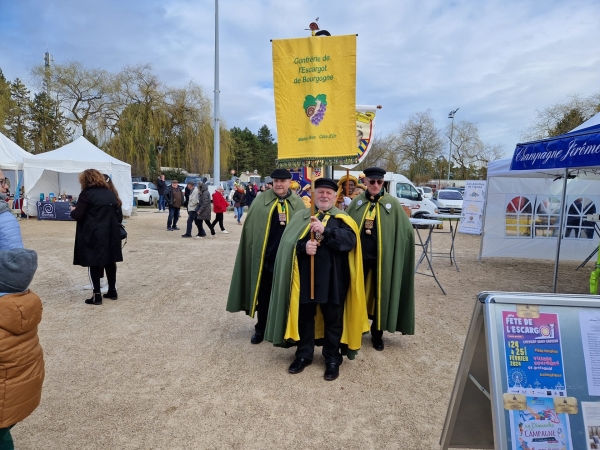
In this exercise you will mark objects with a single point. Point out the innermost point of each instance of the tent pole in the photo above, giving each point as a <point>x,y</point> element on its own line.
<point>487,189</point>
<point>561,228</point>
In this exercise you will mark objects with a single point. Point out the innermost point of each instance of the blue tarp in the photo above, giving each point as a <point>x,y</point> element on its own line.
<point>576,149</point>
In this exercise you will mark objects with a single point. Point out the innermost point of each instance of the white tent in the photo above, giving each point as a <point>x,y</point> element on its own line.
<point>58,171</point>
<point>11,160</point>
<point>523,210</point>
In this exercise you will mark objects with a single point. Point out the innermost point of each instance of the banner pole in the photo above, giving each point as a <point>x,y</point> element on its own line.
<point>312,234</point>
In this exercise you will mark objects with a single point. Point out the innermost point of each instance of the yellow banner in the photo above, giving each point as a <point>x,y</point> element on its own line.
<point>315,100</point>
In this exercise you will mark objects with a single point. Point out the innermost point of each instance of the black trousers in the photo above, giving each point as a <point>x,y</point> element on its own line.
<point>372,265</point>
<point>334,324</point>
<point>111,276</point>
<point>264,298</point>
<point>219,220</point>
<point>201,231</point>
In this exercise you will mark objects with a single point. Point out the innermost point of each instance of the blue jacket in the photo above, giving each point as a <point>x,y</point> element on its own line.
<point>10,232</point>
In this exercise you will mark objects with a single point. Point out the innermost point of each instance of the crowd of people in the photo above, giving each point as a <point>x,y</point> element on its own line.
<point>317,278</point>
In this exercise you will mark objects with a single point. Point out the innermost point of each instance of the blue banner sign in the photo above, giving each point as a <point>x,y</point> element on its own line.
<point>571,150</point>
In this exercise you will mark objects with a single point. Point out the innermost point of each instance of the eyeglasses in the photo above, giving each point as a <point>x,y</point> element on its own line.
<point>3,181</point>
<point>373,182</point>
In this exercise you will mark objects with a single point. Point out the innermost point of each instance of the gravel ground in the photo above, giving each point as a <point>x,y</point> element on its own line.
<point>166,367</point>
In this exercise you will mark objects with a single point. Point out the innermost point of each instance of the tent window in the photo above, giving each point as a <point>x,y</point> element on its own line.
<point>547,217</point>
<point>519,217</point>
<point>577,225</point>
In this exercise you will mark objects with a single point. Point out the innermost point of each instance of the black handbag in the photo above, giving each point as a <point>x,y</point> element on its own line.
<point>123,231</point>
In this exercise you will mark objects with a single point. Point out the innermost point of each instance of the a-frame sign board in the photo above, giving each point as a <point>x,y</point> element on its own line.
<point>529,375</point>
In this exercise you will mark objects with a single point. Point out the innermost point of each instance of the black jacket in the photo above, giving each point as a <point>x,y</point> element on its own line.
<point>98,235</point>
<point>161,186</point>
<point>239,197</point>
<point>169,195</point>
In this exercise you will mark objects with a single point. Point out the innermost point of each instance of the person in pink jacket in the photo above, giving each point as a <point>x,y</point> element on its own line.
<point>219,207</point>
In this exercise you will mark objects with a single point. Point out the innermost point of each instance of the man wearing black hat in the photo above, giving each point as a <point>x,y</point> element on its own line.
<point>388,251</point>
<point>265,223</point>
<point>336,304</point>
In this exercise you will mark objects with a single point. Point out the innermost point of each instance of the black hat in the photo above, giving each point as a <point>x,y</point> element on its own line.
<point>281,174</point>
<point>326,183</point>
<point>374,173</point>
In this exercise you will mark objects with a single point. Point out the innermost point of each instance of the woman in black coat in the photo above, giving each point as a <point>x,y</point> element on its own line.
<point>250,194</point>
<point>98,236</point>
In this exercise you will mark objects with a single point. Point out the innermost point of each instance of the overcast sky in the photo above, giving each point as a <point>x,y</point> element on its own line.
<point>498,61</point>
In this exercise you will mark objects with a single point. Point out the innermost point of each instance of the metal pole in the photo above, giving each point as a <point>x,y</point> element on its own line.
<point>217,144</point>
<point>560,229</point>
<point>451,116</point>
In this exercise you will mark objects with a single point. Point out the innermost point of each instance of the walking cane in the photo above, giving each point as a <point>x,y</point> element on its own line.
<point>312,235</point>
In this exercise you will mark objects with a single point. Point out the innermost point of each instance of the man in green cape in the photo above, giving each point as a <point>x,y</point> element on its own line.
<point>336,314</point>
<point>388,248</point>
<point>250,289</point>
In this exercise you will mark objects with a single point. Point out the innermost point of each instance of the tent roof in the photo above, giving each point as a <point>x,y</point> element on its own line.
<point>594,120</point>
<point>80,150</point>
<point>11,155</point>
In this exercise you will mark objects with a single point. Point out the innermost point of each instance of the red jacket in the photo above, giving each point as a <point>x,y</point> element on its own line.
<point>219,203</point>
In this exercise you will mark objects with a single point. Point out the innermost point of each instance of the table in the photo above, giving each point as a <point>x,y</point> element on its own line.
<point>424,245</point>
<point>53,210</point>
<point>449,218</point>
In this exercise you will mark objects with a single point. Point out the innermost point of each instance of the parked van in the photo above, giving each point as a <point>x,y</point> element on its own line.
<point>402,188</point>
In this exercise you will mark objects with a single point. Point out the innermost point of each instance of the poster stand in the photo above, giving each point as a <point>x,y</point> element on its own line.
<point>529,375</point>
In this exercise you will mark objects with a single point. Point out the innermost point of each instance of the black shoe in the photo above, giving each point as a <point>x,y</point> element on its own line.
<point>95,300</point>
<point>257,338</point>
<point>377,343</point>
<point>298,365</point>
<point>176,228</point>
<point>169,229</point>
<point>332,371</point>
<point>186,235</point>
<point>111,294</point>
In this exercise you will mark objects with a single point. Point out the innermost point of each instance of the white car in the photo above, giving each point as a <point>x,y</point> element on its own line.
<point>425,191</point>
<point>145,191</point>
<point>448,201</point>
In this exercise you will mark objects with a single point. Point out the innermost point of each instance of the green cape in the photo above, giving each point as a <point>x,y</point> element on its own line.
<point>394,289</point>
<point>247,271</point>
<point>282,322</point>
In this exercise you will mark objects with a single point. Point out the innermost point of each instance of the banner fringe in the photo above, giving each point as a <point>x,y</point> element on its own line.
<point>287,163</point>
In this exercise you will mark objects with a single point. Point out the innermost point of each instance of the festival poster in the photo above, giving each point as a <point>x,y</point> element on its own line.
<point>471,220</point>
<point>591,422</point>
<point>534,361</point>
<point>314,82</point>
<point>539,427</point>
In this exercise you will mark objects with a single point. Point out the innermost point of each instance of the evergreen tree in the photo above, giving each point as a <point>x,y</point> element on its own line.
<point>265,159</point>
<point>48,127</point>
<point>17,120</point>
<point>245,147</point>
<point>4,102</point>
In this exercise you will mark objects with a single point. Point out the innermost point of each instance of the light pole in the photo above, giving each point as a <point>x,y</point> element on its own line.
<point>451,116</point>
<point>159,149</point>
<point>217,139</point>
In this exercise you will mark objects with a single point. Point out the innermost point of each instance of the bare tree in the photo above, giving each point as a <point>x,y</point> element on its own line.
<point>562,117</point>
<point>419,143</point>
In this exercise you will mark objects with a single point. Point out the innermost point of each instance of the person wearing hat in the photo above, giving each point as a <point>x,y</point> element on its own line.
<point>388,252</point>
<point>338,306</point>
<point>266,221</point>
<point>345,189</point>
<point>21,356</point>
<point>174,198</point>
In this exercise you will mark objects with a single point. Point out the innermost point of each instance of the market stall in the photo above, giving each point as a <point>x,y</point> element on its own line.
<point>55,174</point>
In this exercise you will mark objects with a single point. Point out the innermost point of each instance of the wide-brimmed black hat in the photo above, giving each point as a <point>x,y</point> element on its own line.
<point>281,174</point>
<point>374,173</point>
<point>326,183</point>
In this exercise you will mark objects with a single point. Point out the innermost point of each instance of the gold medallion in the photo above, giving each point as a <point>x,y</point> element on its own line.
<point>369,226</point>
<point>282,218</point>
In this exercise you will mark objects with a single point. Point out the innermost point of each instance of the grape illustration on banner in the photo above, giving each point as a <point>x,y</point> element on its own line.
<point>315,108</point>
